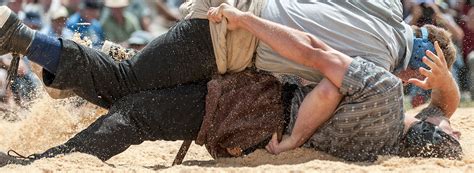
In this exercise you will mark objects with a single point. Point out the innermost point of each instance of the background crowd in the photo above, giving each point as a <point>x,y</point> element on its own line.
<point>130,23</point>
<point>456,16</point>
<point>134,23</point>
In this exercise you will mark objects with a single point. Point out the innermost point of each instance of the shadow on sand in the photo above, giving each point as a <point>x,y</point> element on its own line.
<point>261,157</point>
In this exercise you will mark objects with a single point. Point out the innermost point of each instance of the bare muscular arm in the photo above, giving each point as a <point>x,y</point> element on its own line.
<point>303,48</point>
<point>298,46</point>
<point>445,93</point>
<point>317,107</point>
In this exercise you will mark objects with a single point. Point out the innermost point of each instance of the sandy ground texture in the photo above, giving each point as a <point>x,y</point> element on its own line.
<point>51,122</point>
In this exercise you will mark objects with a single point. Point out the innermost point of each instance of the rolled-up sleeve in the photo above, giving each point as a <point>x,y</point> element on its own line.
<point>369,120</point>
<point>430,111</point>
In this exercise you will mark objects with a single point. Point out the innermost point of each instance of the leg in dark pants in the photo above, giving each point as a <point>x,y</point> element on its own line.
<point>167,114</point>
<point>182,55</point>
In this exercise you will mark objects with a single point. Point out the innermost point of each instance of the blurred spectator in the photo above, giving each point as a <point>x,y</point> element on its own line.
<point>174,3</point>
<point>32,6</point>
<point>139,40</point>
<point>15,6</point>
<point>46,4</point>
<point>471,75</point>
<point>85,22</point>
<point>119,24</point>
<point>168,11</point>
<point>58,23</point>
<point>6,97</point>
<point>72,6</point>
<point>437,13</point>
<point>467,24</point>
<point>33,20</point>
<point>427,12</point>
<point>407,4</point>
<point>164,10</point>
<point>24,86</point>
<point>141,9</point>
<point>463,6</point>
<point>49,7</point>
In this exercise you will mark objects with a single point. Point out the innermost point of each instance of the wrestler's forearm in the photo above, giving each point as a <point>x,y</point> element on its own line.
<point>447,97</point>
<point>298,46</point>
<point>317,107</point>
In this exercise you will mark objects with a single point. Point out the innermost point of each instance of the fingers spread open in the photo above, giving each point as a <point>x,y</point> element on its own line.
<point>422,84</point>
<point>429,62</point>
<point>440,53</point>
<point>434,58</point>
<point>425,72</point>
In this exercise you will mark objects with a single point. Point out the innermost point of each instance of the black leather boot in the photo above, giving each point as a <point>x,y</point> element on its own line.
<point>15,37</point>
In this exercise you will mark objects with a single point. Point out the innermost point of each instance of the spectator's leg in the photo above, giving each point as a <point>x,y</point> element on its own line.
<point>168,114</point>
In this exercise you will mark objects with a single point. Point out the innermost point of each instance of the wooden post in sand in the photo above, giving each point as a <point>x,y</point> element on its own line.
<point>182,152</point>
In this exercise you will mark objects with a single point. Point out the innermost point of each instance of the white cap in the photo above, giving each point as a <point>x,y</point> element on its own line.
<point>116,3</point>
<point>61,11</point>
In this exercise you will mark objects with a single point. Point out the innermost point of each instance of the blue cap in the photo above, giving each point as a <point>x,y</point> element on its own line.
<point>33,18</point>
<point>420,46</point>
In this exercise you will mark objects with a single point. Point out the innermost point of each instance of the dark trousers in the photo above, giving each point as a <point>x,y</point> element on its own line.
<point>157,95</point>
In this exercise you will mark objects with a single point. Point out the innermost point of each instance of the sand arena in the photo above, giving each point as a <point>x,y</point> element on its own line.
<point>51,122</point>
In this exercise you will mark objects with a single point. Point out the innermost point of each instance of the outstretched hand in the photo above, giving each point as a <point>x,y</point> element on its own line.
<point>225,12</point>
<point>435,77</point>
